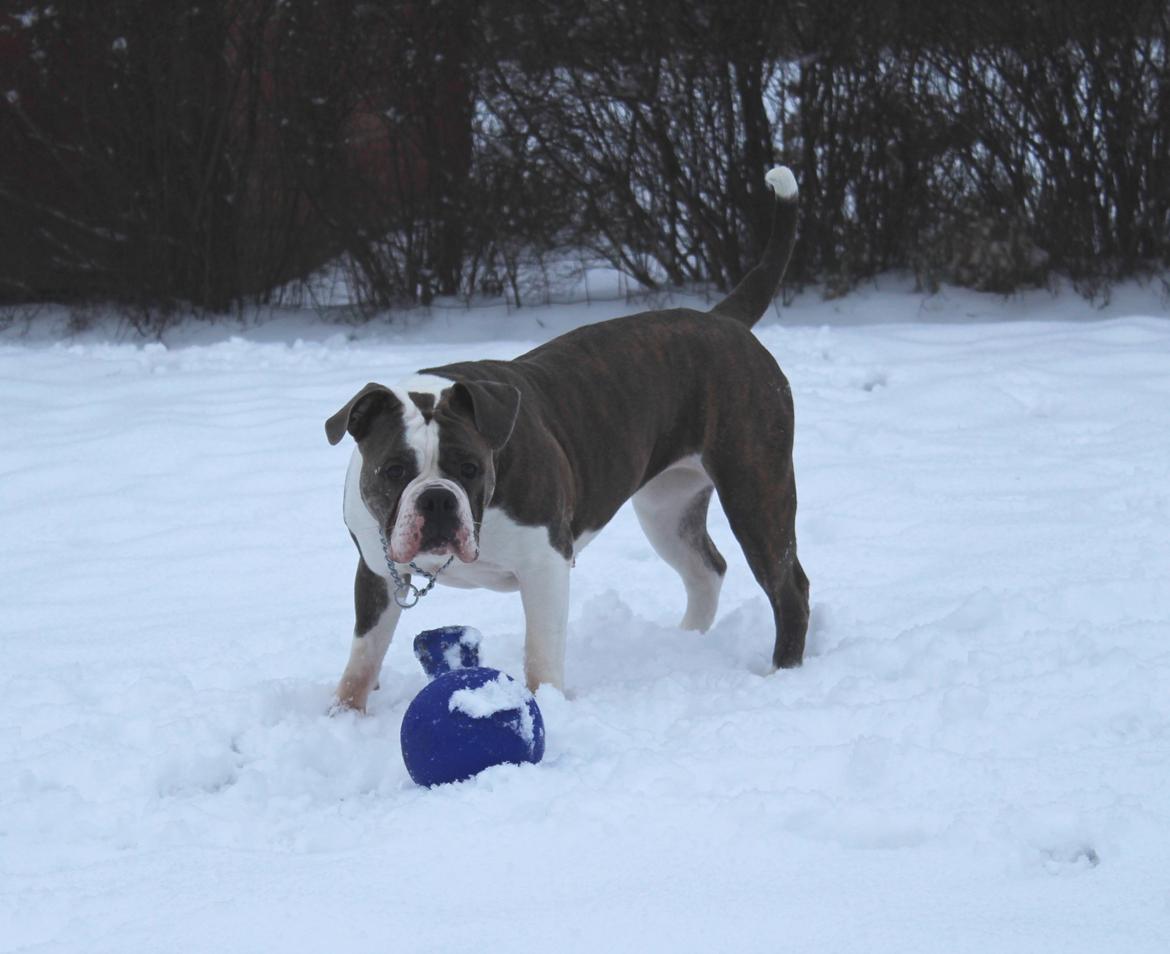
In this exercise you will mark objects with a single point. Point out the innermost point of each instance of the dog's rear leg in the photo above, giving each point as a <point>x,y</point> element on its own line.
<point>672,509</point>
<point>758,494</point>
<point>376,616</point>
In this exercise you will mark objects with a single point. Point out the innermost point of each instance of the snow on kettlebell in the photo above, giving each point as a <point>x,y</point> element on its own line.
<point>446,648</point>
<point>466,719</point>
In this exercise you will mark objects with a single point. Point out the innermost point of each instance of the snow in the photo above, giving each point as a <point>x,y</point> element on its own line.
<point>782,182</point>
<point>502,694</point>
<point>470,638</point>
<point>974,757</point>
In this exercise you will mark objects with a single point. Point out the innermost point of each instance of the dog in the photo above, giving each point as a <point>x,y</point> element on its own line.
<point>497,473</point>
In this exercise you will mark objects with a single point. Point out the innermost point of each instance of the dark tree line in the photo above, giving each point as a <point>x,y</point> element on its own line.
<point>215,154</point>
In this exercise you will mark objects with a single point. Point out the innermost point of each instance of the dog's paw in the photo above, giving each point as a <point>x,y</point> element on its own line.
<point>782,181</point>
<point>340,706</point>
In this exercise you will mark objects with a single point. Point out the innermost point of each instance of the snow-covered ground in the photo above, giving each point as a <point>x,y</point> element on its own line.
<point>974,757</point>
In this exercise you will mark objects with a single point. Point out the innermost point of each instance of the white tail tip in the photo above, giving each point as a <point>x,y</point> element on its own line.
<point>782,181</point>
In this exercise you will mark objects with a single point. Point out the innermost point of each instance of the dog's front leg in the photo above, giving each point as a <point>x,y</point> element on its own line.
<point>376,616</point>
<point>544,590</point>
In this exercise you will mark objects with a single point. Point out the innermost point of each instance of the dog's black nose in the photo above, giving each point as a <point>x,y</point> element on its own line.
<point>436,501</point>
<point>440,511</point>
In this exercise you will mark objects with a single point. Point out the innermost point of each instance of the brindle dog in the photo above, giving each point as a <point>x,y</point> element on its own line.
<point>497,473</point>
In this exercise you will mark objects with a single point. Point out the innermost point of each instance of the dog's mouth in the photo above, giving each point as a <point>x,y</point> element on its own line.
<point>457,545</point>
<point>411,545</point>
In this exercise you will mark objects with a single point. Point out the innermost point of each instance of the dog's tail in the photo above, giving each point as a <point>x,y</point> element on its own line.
<point>752,296</point>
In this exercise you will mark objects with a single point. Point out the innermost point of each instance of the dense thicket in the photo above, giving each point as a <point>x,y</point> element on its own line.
<point>157,154</point>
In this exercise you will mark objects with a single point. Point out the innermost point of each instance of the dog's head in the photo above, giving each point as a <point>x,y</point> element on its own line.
<point>424,465</point>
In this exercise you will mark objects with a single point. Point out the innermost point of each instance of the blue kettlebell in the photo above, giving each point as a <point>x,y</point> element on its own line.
<point>468,717</point>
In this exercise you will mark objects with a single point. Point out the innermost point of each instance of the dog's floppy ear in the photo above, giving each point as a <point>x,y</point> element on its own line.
<point>493,407</point>
<point>359,413</point>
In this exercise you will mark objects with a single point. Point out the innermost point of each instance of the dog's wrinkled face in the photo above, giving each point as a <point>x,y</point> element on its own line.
<point>426,470</point>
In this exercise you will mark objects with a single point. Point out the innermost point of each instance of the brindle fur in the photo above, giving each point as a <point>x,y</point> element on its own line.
<point>723,399</point>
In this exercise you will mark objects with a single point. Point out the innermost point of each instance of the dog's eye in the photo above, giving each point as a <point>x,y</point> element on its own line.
<point>468,470</point>
<point>393,471</point>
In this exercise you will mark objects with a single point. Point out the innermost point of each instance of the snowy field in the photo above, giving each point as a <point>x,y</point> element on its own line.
<point>975,756</point>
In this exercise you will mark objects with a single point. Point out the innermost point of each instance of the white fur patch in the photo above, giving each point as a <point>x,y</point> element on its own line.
<point>782,181</point>
<point>421,436</point>
<point>507,550</point>
<point>662,506</point>
<point>425,384</point>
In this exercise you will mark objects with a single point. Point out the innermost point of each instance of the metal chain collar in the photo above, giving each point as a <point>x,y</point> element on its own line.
<point>406,594</point>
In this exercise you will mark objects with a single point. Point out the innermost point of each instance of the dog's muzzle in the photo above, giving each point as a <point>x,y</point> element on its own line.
<point>434,518</point>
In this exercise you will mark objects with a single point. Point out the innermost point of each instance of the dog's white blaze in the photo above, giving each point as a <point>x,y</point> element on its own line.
<point>421,436</point>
